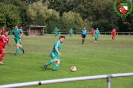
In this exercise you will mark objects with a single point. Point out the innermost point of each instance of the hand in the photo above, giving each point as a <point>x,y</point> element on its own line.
<point>59,53</point>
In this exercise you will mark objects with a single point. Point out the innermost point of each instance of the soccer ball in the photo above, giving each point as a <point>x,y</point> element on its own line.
<point>73,68</point>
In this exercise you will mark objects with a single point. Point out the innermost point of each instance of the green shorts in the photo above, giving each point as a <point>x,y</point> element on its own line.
<point>17,40</point>
<point>54,56</point>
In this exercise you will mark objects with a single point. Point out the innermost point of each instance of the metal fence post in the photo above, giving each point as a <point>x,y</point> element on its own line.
<point>108,82</point>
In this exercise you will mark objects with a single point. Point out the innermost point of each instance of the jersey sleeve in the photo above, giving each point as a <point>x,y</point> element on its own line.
<point>12,32</point>
<point>56,44</point>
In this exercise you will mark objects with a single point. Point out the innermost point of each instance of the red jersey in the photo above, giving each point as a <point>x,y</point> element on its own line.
<point>3,40</point>
<point>114,32</point>
<point>92,31</point>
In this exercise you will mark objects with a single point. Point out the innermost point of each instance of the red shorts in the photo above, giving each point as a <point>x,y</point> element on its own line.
<point>1,49</point>
<point>113,34</point>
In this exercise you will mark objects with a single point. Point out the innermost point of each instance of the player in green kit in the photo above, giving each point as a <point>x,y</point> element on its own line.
<point>56,31</point>
<point>55,53</point>
<point>17,34</point>
<point>71,32</point>
<point>97,32</point>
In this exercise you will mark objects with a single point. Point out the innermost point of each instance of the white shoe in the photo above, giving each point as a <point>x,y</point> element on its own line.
<point>1,63</point>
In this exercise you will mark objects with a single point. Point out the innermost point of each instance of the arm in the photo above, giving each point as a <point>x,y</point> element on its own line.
<point>21,34</point>
<point>12,34</point>
<point>57,50</point>
<point>8,44</point>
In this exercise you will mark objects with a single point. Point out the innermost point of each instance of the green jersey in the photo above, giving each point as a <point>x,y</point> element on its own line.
<point>56,31</point>
<point>97,32</point>
<point>58,45</point>
<point>16,33</point>
<point>70,31</point>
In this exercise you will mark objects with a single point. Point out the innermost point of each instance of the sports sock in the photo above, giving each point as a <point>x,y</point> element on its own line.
<point>56,67</point>
<point>21,48</point>
<point>82,40</point>
<point>17,50</point>
<point>2,56</point>
<point>49,63</point>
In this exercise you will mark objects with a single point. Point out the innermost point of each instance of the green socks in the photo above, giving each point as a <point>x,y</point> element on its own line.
<point>17,50</point>
<point>22,48</point>
<point>56,67</point>
<point>49,63</point>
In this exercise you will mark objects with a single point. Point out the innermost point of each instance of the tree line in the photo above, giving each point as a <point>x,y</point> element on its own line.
<point>64,14</point>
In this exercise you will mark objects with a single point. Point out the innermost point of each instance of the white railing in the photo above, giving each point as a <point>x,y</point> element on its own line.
<point>35,83</point>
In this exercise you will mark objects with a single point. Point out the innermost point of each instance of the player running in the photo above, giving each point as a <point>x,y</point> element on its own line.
<point>17,34</point>
<point>3,41</point>
<point>113,34</point>
<point>55,53</point>
<point>97,32</point>
<point>83,34</point>
<point>56,31</point>
<point>71,32</point>
<point>92,32</point>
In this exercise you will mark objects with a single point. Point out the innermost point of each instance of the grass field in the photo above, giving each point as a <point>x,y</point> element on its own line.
<point>92,58</point>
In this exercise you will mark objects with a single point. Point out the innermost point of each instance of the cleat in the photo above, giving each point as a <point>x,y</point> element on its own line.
<point>23,51</point>
<point>54,70</point>
<point>1,63</point>
<point>45,66</point>
<point>15,54</point>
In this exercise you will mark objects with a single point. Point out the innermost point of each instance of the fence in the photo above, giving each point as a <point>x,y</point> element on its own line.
<point>35,83</point>
<point>109,33</point>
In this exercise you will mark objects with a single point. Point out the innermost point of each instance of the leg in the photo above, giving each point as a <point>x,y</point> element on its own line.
<point>56,65</point>
<point>96,38</point>
<point>2,56</point>
<point>82,40</point>
<point>18,46</point>
<point>53,56</point>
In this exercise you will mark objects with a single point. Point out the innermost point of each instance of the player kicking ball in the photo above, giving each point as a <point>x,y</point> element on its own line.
<point>55,54</point>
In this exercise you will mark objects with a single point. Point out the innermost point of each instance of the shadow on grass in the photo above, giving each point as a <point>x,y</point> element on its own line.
<point>47,69</point>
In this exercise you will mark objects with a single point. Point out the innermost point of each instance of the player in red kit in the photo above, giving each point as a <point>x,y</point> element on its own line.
<point>113,34</point>
<point>3,41</point>
<point>92,32</point>
<point>3,30</point>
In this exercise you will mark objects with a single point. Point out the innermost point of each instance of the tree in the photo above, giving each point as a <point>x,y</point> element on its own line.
<point>10,14</point>
<point>72,20</point>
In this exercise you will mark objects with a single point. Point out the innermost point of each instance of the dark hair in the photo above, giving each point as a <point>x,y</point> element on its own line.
<point>62,37</point>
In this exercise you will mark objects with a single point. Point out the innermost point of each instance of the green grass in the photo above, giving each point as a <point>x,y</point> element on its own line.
<point>92,58</point>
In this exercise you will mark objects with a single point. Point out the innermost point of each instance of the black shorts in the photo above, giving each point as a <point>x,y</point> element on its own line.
<point>83,36</point>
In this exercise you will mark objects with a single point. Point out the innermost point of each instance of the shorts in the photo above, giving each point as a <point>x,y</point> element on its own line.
<point>83,36</point>
<point>17,40</point>
<point>113,34</point>
<point>54,56</point>
<point>96,36</point>
<point>1,49</point>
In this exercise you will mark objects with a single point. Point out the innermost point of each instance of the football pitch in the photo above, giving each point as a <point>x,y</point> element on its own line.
<point>91,58</point>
